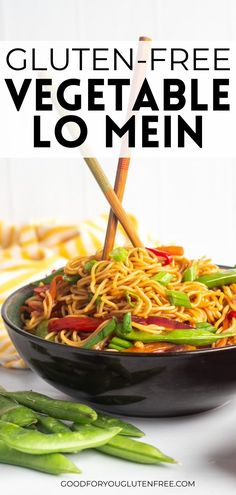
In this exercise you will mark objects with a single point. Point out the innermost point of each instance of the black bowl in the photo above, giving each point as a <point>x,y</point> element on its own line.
<point>147,385</point>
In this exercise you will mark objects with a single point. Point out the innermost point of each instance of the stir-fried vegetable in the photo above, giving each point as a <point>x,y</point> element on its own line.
<point>53,286</point>
<point>173,250</point>
<point>125,344</point>
<point>163,278</point>
<point>177,298</point>
<point>42,329</point>
<point>102,333</point>
<point>160,347</point>
<point>89,265</point>
<point>190,274</point>
<point>48,279</point>
<point>231,314</point>
<point>217,279</point>
<point>127,323</point>
<point>80,323</point>
<point>71,279</point>
<point>206,326</point>
<point>119,254</point>
<point>161,321</point>
<point>166,257</point>
<point>129,296</point>
<point>193,337</point>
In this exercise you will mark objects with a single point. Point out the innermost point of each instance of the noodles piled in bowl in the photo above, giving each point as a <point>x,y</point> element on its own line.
<point>139,300</point>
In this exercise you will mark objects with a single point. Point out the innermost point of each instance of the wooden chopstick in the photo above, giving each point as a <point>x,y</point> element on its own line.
<point>113,200</point>
<point>124,161</point>
<point>103,182</point>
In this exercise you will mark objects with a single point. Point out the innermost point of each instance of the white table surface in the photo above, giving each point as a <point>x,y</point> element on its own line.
<point>204,443</point>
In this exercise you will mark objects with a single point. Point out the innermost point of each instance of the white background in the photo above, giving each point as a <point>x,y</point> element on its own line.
<point>191,202</point>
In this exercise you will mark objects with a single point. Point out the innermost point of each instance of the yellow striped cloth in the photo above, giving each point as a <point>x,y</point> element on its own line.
<point>28,252</point>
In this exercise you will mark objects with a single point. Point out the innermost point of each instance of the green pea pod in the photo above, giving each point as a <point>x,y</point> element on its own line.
<point>15,413</point>
<point>47,463</point>
<point>115,347</point>
<point>34,442</point>
<point>127,323</point>
<point>59,409</point>
<point>71,279</point>
<point>121,342</point>
<point>134,451</point>
<point>97,337</point>
<point>106,421</point>
<point>47,424</point>
<point>217,279</point>
<point>206,326</point>
<point>49,278</point>
<point>42,329</point>
<point>191,337</point>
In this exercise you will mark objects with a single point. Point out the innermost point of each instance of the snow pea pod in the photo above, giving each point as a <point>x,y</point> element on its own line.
<point>71,279</point>
<point>206,326</point>
<point>122,343</point>
<point>217,279</point>
<point>35,442</point>
<point>99,335</point>
<point>106,421</point>
<point>15,413</point>
<point>134,451</point>
<point>42,329</point>
<point>47,424</point>
<point>198,337</point>
<point>127,323</point>
<point>59,409</point>
<point>46,463</point>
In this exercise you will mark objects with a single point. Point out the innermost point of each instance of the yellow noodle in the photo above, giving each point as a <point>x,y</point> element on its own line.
<point>107,290</point>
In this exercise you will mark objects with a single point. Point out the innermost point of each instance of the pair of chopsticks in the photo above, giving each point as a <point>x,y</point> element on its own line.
<point>115,196</point>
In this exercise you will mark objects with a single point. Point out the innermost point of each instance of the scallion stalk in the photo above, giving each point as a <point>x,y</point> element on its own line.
<point>178,298</point>
<point>163,277</point>
<point>190,274</point>
<point>119,254</point>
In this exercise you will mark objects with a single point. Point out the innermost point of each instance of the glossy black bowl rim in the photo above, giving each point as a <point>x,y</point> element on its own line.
<point>95,352</point>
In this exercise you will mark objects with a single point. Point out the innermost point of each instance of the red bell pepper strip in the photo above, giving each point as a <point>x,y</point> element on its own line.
<point>89,324</point>
<point>173,250</point>
<point>53,286</point>
<point>231,314</point>
<point>80,323</point>
<point>161,321</point>
<point>161,254</point>
<point>226,323</point>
